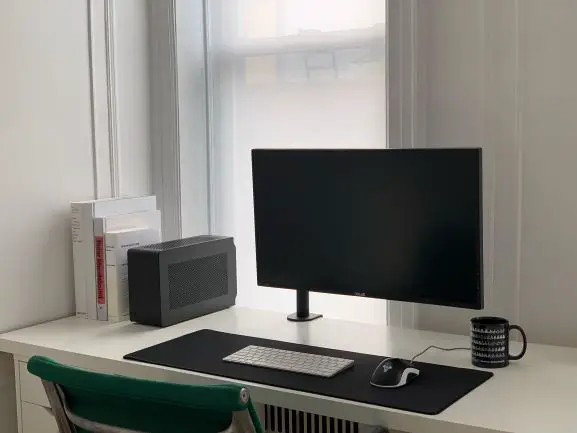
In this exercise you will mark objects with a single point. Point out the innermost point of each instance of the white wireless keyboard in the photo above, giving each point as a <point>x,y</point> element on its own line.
<point>287,360</point>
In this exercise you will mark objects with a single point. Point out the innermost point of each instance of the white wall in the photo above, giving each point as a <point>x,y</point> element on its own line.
<point>48,157</point>
<point>46,142</point>
<point>46,138</point>
<point>501,74</point>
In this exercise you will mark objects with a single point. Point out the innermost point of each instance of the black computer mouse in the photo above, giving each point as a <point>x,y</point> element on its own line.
<point>393,373</point>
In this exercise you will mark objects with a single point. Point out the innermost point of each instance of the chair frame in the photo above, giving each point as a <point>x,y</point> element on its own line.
<point>67,420</point>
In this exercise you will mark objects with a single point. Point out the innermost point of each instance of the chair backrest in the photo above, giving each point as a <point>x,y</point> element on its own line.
<point>83,401</point>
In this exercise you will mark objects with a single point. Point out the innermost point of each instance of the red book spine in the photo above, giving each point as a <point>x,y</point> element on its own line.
<point>100,263</point>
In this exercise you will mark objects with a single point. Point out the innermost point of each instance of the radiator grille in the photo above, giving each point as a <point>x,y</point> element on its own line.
<point>197,280</point>
<point>282,420</point>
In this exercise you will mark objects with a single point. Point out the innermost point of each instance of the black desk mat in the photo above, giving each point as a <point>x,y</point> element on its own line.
<point>435,389</point>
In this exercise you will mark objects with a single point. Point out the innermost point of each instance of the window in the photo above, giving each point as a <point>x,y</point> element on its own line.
<point>262,74</point>
<point>290,73</point>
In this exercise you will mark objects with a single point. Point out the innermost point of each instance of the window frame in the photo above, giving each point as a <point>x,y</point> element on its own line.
<point>180,125</point>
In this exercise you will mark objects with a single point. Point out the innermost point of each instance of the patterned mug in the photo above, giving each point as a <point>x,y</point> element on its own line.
<point>490,342</point>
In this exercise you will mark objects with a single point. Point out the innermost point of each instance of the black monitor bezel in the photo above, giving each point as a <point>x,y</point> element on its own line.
<point>478,303</point>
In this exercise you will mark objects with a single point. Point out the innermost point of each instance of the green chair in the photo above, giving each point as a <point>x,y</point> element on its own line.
<point>83,401</point>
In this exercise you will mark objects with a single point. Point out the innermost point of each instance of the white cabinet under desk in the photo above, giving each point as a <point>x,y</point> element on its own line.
<point>32,406</point>
<point>537,394</point>
<point>36,419</point>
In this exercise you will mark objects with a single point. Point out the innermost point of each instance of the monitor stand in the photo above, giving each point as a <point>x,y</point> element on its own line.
<point>302,314</point>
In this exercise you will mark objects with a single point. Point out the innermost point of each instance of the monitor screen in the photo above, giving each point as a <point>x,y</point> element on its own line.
<point>402,225</point>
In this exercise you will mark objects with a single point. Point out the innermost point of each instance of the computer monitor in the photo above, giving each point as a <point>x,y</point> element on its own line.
<point>397,224</point>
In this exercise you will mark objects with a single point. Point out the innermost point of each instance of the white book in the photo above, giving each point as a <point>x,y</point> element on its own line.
<point>149,219</point>
<point>118,242</point>
<point>78,247</point>
<point>83,213</point>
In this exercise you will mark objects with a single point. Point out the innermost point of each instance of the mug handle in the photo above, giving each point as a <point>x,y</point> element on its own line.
<point>520,355</point>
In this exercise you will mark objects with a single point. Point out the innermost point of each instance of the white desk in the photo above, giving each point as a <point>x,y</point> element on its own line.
<point>535,395</point>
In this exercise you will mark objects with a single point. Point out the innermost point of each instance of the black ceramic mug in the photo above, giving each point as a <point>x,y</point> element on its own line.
<point>490,342</point>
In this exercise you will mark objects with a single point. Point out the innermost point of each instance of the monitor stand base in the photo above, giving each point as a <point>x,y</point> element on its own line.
<point>302,314</point>
<point>294,317</point>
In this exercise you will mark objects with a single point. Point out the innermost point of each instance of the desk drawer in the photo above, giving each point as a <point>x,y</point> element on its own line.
<point>31,389</point>
<point>36,419</point>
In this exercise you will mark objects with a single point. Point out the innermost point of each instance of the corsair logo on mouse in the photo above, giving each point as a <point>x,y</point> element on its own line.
<point>387,366</point>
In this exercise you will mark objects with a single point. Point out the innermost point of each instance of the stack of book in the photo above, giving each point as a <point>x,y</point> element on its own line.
<point>102,233</point>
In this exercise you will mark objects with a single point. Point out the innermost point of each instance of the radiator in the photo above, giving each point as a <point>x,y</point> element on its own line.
<point>278,419</point>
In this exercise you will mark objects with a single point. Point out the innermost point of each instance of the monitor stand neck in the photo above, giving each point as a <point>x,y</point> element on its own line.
<point>302,314</point>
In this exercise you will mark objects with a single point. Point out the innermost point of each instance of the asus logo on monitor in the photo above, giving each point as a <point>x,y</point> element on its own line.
<point>359,294</point>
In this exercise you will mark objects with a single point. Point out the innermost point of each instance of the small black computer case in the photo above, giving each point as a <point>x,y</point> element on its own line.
<point>174,281</point>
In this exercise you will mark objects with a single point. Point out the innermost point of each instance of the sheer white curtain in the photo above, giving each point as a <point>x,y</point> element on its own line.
<point>286,74</point>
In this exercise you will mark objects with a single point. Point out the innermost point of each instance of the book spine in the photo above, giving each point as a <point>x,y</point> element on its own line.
<point>78,242</point>
<point>89,261</point>
<point>100,269</point>
<point>113,283</point>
